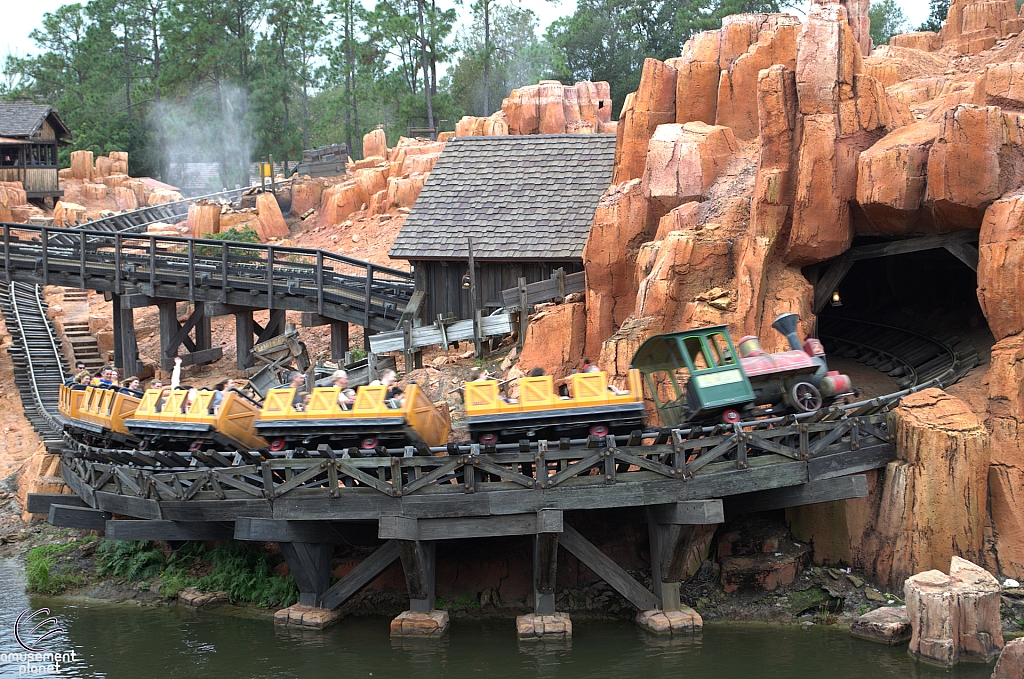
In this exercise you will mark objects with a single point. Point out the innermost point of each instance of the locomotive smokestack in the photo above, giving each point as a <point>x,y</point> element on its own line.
<point>786,324</point>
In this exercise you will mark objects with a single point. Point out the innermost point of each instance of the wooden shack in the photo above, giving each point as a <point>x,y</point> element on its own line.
<point>29,136</point>
<point>526,201</point>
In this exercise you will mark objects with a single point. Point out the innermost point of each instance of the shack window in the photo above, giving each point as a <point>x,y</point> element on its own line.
<point>8,156</point>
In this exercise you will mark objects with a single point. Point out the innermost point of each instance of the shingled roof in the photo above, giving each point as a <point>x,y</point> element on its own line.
<point>23,119</point>
<point>519,197</point>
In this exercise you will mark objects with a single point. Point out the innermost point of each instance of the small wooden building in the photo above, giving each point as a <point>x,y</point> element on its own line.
<point>526,201</point>
<point>29,136</point>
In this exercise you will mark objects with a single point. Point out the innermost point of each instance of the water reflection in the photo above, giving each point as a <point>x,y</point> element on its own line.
<point>137,642</point>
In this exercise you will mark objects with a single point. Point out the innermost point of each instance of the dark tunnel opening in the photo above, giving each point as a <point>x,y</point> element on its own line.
<point>930,292</point>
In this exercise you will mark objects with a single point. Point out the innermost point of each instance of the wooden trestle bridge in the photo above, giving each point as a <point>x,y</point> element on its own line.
<point>672,480</point>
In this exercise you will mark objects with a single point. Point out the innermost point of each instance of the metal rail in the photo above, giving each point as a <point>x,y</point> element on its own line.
<point>39,363</point>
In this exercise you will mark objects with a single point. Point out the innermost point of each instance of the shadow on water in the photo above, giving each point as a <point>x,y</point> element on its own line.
<point>123,641</point>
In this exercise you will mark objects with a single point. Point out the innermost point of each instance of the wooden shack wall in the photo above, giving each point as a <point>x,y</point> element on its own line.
<point>442,281</point>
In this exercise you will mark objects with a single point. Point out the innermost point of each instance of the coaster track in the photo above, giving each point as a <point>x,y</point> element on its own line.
<point>35,351</point>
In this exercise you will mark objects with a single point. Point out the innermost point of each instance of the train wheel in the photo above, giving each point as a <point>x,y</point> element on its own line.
<point>487,437</point>
<point>731,416</point>
<point>276,444</point>
<point>805,397</point>
<point>599,430</point>
<point>368,443</point>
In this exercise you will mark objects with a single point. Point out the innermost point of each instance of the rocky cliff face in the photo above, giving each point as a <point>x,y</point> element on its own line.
<point>769,144</point>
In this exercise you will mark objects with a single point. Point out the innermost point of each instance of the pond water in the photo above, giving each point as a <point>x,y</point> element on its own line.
<point>126,641</point>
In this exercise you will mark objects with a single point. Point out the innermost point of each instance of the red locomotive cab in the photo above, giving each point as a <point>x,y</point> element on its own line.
<point>813,347</point>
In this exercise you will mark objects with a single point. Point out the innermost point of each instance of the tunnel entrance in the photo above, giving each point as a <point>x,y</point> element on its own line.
<point>896,303</point>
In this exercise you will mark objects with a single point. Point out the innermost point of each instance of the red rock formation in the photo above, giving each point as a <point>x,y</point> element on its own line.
<point>963,166</point>
<point>375,144</point>
<point>683,161</point>
<point>926,41</point>
<point>860,23</point>
<point>773,191</point>
<point>973,26</point>
<point>204,218</point>
<point>82,165</point>
<point>1001,266</point>
<point>653,104</point>
<point>1006,476</point>
<point>546,108</point>
<point>269,222</point>
<point>305,195</point>
<point>620,227</point>
<point>67,214</point>
<point>928,506</point>
<point>954,617</point>
<point>891,177</point>
<point>843,114</point>
<point>1011,661</point>
<point>555,339</point>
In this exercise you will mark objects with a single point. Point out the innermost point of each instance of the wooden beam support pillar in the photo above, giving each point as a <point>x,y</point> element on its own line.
<point>545,568</point>
<point>245,330</point>
<point>310,565</point>
<point>339,340</point>
<point>673,530</point>
<point>168,312</point>
<point>130,365</point>
<point>115,311</point>
<point>204,330</point>
<point>418,558</point>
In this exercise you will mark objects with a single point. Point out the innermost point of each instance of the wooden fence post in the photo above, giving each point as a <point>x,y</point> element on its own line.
<point>524,312</point>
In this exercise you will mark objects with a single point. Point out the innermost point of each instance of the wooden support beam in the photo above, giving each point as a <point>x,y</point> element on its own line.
<point>277,530</point>
<point>360,576</point>
<point>202,357</point>
<point>244,333</point>
<point>116,323</point>
<point>408,528</point>
<point>168,530</point>
<point>966,253</point>
<point>310,565</point>
<point>418,560</point>
<point>131,365</point>
<point>670,549</point>
<point>84,518</point>
<point>831,279</point>
<point>609,571</point>
<point>339,340</point>
<point>39,503</point>
<point>545,571</point>
<point>688,512</point>
<point>825,490</point>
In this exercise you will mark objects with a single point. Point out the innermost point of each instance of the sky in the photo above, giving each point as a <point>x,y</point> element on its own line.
<point>21,16</point>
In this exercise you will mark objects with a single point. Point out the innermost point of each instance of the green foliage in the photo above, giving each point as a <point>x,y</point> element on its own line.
<point>887,19</point>
<point>937,10</point>
<point>247,574</point>
<point>609,39</point>
<point>50,569</point>
<point>130,559</point>
<point>516,56</point>
<point>237,235</point>
<point>232,235</point>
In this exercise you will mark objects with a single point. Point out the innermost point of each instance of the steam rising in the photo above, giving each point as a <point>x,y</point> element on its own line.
<point>207,143</point>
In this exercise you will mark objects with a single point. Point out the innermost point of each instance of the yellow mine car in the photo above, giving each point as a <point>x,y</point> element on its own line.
<point>371,424</point>
<point>591,408</point>
<point>171,424</point>
<point>97,412</point>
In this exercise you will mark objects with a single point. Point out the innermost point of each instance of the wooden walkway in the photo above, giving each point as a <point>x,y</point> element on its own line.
<point>211,271</point>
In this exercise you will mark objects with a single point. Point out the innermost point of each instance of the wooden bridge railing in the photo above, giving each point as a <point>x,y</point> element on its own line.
<point>243,274</point>
<point>828,448</point>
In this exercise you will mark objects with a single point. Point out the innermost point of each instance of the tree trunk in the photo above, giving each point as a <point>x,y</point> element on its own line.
<point>349,93</point>
<point>487,57</point>
<point>426,72</point>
